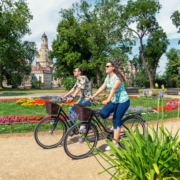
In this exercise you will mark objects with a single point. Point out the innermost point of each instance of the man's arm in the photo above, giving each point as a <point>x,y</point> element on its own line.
<point>76,92</point>
<point>69,93</point>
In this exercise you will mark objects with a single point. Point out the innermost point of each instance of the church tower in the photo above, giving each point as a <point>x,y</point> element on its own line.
<point>44,41</point>
<point>42,59</point>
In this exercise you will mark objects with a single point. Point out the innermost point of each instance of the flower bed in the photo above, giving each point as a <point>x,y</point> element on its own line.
<point>4,100</point>
<point>39,102</point>
<point>172,105</point>
<point>26,118</point>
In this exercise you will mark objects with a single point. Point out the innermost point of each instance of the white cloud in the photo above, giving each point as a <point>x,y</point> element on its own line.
<point>168,7</point>
<point>45,18</point>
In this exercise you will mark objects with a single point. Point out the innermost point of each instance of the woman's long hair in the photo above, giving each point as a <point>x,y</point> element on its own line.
<point>117,72</point>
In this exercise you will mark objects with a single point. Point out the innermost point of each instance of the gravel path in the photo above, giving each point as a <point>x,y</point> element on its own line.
<point>22,159</point>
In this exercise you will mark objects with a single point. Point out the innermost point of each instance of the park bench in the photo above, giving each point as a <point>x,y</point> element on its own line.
<point>132,91</point>
<point>173,91</point>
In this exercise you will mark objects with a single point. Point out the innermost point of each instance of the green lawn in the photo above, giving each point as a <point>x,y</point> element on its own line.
<point>31,91</point>
<point>53,90</point>
<point>7,108</point>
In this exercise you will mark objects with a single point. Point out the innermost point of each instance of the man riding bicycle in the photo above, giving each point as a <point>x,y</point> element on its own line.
<point>83,86</point>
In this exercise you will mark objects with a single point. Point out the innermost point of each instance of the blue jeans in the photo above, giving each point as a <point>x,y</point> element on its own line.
<point>119,110</point>
<point>81,101</point>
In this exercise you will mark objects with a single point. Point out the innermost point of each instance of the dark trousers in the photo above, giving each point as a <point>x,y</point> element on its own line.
<point>119,110</point>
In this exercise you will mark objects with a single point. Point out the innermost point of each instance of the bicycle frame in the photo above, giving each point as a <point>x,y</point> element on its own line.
<point>63,114</point>
<point>95,119</point>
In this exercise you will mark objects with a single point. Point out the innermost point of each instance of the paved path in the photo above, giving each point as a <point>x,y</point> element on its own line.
<point>29,95</point>
<point>22,159</point>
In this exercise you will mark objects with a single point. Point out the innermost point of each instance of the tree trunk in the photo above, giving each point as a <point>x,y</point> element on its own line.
<point>145,66</point>
<point>1,80</point>
<point>98,75</point>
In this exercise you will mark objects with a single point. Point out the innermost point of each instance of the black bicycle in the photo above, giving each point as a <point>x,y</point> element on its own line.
<point>75,144</point>
<point>49,131</point>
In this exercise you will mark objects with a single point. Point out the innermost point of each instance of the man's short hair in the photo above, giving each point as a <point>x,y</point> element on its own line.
<point>79,69</point>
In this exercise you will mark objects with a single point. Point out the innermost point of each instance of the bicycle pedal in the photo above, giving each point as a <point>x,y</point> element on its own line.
<point>109,135</point>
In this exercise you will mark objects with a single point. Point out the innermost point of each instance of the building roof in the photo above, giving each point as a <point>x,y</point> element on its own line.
<point>39,70</point>
<point>44,35</point>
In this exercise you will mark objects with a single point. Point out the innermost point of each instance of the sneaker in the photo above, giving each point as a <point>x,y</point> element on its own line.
<point>112,128</point>
<point>108,148</point>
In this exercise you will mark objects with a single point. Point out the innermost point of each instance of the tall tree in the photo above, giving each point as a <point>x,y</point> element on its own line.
<point>176,20</point>
<point>142,14</point>
<point>173,64</point>
<point>15,56</point>
<point>94,30</point>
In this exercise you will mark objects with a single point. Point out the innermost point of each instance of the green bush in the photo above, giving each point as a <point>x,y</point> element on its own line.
<point>126,84</point>
<point>148,157</point>
<point>38,84</point>
<point>69,82</point>
<point>155,156</point>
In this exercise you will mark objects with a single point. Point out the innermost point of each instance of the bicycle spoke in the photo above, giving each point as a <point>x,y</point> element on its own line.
<point>131,124</point>
<point>76,146</point>
<point>48,134</point>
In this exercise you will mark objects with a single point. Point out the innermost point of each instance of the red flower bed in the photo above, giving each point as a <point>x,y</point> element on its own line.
<point>167,107</point>
<point>172,100</point>
<point>4,100</point>
<point>26,118</point>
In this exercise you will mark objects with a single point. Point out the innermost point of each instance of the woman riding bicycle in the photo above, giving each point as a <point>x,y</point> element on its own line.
<point>117,101</point>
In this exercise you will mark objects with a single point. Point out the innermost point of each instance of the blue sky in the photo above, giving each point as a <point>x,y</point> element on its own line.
<point>46,18</point>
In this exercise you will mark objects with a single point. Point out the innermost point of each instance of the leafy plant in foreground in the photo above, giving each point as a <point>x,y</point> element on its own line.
<point>155,156</point>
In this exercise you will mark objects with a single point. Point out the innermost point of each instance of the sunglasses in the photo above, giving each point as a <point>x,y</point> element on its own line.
<point>107,66</point>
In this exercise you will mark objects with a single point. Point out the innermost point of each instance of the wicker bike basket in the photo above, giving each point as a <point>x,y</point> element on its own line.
<point>83,112</point>
<point>51,108</point>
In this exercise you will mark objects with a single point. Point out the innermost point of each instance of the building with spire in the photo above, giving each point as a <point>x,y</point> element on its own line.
<point>43,69</point>
<point>42,59</point>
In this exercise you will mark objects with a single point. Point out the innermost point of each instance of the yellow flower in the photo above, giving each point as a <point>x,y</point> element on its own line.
<point>156,85</point>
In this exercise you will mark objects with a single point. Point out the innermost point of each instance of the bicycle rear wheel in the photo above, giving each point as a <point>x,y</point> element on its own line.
<point>49,132</point>
<point>131,123</point>
<point>75,144</point>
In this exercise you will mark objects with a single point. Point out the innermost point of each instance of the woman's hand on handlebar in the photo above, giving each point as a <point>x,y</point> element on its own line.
<point>105,102</point>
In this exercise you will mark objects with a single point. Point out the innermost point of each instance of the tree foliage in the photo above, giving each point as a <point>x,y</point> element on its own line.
<point>89,37</point>
<point>173,67</point>
<point>16,56</point>
<point>176,20</point>
<point>142,14</point>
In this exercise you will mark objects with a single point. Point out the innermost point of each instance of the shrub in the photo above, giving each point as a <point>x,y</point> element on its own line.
<point>69,82</point>
<point>126,84</point>
<point>38,84</point>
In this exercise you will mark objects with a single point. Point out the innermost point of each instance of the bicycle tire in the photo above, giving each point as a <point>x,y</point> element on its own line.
<point>131,123</point>
<point>43,131</point>
<point>73,140</point>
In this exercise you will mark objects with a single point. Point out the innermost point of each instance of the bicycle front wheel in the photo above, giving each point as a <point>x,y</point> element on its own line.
<point>131,123</point>
<point>75,144</point>
<point>49,132</point>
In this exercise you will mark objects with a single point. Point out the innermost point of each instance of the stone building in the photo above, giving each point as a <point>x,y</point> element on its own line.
<point>43,68</point>
<point>43,75</point>
<point>42,59</point>
<point>130,75</point>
